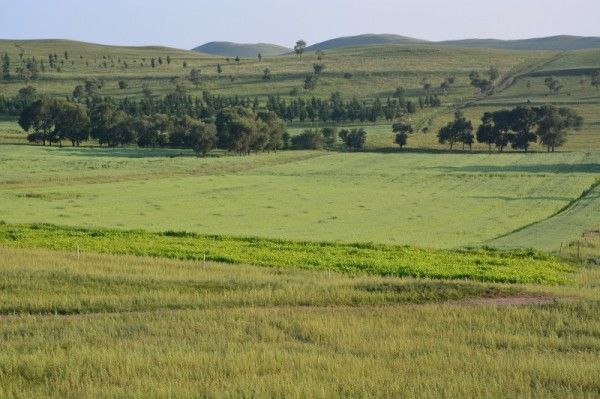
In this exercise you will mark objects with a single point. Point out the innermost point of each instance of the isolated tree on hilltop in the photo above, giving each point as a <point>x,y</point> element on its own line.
<point>299,47</point>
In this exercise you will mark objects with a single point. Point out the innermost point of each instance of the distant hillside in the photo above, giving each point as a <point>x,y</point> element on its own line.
<point>560,43</point>
<point>229,49</point>
<point>364,40</point>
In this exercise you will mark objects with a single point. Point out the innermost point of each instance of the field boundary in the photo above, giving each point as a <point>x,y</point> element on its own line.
<point>565,208</point>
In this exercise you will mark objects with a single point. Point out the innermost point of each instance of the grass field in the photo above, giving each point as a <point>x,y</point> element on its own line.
<point>143,327</point>
<point>458,199</point>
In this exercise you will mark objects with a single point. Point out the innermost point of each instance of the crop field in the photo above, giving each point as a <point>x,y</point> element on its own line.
<point>432,200</point>
<point>103,325</point>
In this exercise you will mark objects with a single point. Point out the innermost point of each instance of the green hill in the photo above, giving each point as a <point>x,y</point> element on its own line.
<point>560,43</point>
<point>364,40</point>
<point>246,50</point>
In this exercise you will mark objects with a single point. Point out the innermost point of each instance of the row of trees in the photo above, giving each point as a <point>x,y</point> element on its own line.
<point>519,127</point>
<point>314,139</point>
<point>178,103</point>
<point>237,129</point>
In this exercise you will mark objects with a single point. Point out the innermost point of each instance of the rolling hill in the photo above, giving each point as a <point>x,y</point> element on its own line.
<point>364,40</point>
<point>245,50</point>
<point>560,43</point>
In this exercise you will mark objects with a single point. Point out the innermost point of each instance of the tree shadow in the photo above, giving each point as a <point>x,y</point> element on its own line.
<point>120,152</point>
<point>532,168</point>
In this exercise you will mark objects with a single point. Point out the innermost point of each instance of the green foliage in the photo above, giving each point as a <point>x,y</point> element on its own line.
<point>354,139</point>
<point>518,266</point>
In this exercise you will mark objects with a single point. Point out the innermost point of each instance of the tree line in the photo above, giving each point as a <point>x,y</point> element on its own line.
<point>519,128</point>
<point>236,129</point>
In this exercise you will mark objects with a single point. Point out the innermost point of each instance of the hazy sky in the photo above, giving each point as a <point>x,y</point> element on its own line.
<point>188,23</point>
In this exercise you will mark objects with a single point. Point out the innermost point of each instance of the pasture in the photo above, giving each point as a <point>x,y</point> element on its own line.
<point>430,200</point>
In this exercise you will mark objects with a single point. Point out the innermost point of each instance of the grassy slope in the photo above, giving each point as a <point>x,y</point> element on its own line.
<point>229,49</point>
<point>432,200</point>
<point>377,70</point>
<point>139,327</point>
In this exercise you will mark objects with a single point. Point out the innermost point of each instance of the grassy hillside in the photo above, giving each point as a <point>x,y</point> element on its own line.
<point>561,43</point>
<point>248,50</point>
<point>364,40</point>
<point>376,70</point>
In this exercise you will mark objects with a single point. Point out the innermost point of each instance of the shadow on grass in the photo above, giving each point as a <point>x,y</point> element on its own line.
<point>533,168</point>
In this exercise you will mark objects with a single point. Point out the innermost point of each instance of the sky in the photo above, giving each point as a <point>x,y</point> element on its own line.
<point>189,23</point>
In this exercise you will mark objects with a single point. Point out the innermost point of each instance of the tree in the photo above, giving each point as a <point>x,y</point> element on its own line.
<point>487,133</point>
<point>195,76</point>
<point>310,82</point>
<point>329,136</point>
<point>219,69</point>
<point>185,64</point>
<point>38,117</point>
<point>308,140</point>
<point>318,68</point>
<point>553,84</point>
<point>485,86</point>
<point>402,130</point>
<point>523,120</point>
<point>237,60</point>
<point>459,130</point>
<point>259,57</point>
<point>596,79</point>
<point>266,74</point>
<point>153,62</point>
<point>123,84</point>
<point>71,122</point>
<point>236,129</point>
<point>493,73</point>
<point>299,47</point>
<point>354,139</point>
<point>203,136</point>
<point>168,60</point>
<point>25,96</point>
<point>272,128</point>
<point>6,67</point>
<point>553,125</point>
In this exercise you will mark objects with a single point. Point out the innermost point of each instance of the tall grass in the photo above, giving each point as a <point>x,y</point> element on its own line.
<point>166,328</point>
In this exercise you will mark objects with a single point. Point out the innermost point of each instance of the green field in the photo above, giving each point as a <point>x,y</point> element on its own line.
<point>431,200</point>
